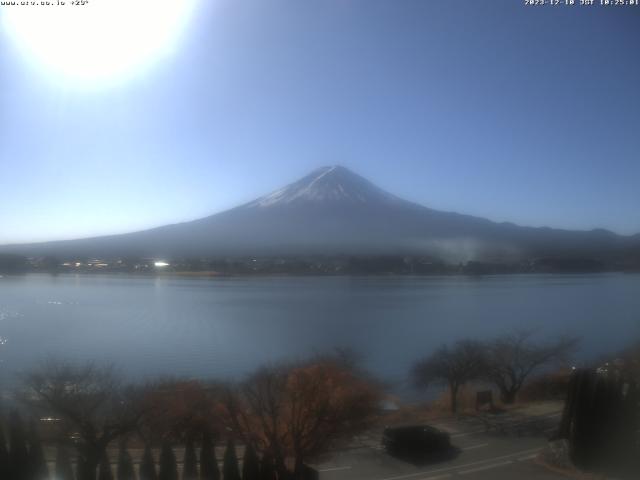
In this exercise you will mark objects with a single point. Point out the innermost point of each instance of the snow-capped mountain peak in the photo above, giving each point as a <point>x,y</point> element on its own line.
<point>331,184</point>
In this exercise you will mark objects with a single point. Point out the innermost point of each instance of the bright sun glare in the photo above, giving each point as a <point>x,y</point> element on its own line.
<point>100,41</point>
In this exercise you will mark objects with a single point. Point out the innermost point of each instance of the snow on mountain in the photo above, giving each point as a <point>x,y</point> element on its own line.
<point>332,184</point>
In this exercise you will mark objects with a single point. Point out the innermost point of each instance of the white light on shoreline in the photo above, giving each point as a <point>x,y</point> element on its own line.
<point>161,264</point>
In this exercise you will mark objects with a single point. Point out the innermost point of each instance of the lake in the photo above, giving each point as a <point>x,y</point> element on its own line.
<point>225,327</point>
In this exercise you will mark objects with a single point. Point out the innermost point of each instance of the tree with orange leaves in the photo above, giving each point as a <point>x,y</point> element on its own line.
<point>297,412</point>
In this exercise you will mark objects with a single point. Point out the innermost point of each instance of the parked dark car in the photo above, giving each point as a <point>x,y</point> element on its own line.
<point>415,441</point>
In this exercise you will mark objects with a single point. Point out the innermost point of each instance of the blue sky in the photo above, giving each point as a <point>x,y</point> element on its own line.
<point>529,115</point>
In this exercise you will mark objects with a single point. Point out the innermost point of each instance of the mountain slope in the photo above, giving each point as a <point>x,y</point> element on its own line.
<point>327,185</point>
<point>335,211</point>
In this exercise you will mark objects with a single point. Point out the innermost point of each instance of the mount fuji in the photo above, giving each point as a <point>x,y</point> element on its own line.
<point>335,211</point>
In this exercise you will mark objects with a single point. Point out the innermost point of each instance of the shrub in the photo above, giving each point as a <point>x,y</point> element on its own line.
<point>550,386</point>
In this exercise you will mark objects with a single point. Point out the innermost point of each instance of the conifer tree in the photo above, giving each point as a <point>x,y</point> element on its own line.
<point>267,467</point>
<point>83,471</point>
<point>37,463</point>
<point>63,470</point>
<point>148,465</point>
<point>125,465</point>
<point>18,453</point>
<point>4,457</point>
<point>168,464</point>
<point>230,465</point>
<point>104,469</point>
<point>250,464</point>
<point>208,462</point>
<point>190,465</point>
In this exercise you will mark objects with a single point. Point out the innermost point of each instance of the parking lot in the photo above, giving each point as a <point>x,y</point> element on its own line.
<point>505,452</point>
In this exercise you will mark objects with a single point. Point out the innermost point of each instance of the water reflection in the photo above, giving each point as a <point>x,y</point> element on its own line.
<point>224,327</point>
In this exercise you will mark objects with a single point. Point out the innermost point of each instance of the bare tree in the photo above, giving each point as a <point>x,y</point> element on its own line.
<point>452,366</point>
<point>180,410</point>
<point>327,401</point>
<point>90,400</point>
<point>255,412</point>
<point>512,358</point>
<point>299,411</point>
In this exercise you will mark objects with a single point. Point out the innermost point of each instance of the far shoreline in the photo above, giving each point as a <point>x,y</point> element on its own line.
<point>219,275</point>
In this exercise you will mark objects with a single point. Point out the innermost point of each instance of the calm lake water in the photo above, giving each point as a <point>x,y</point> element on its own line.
<point>225,327</point>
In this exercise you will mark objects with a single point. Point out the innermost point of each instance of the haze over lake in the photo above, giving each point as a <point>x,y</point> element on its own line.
<point>225,327</point>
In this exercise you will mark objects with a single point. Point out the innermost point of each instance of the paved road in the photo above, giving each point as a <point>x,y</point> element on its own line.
<point>481,455</point>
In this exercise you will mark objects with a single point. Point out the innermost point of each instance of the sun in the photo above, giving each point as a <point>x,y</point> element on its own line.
<point>99,40</point>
